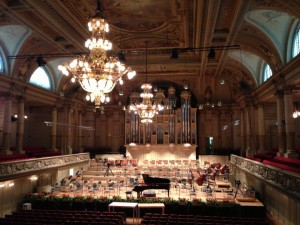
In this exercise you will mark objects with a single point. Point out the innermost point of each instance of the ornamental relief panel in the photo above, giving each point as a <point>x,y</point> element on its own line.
<point>284,181</point>
<point>8,169</point>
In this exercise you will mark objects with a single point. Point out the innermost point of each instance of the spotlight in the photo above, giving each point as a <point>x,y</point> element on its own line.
<point>211,53</point>
<point>40,61</point>
<point>14,118</point>
<point>121,56</point>
<point>174,54</point>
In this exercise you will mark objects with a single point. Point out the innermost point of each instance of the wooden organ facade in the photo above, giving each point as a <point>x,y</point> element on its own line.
<point>173,130</point>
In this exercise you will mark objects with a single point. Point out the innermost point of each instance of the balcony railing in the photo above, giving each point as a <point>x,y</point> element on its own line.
<point>284,180</point>
<point>19,168</point>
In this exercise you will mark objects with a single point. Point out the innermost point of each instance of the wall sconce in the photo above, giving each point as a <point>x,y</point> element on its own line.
<point>11,184</point>
<point>14,118</point>
<point>211,104</point>
<point>2,185</point>
<point>33,178</point>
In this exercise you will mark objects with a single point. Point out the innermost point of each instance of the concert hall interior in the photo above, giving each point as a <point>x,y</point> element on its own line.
<point>150,112</point>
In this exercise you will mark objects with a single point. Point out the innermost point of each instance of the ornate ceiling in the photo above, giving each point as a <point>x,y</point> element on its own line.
<point>54,27</point>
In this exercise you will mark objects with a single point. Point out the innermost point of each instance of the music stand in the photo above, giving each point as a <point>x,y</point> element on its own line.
<point>108,169</point>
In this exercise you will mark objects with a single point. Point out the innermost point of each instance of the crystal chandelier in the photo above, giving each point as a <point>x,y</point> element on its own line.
<point>146,109</point>
<point>97,72</point>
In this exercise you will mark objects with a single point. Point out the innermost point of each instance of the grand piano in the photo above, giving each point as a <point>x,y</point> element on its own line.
<point>152,183</point>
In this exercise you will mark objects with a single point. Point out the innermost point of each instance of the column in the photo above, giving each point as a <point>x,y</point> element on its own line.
<point>280,124</point>
<point>80,131</point>
<point>54,129</point>
<point>69,131</point>
<point>20,125</point>
<point>243,141</point>
<point>216,131</point>
<point>248,130</point>
<point>289,125</point>
<point>7,126</point>
<point>201,133</point>
<point>261,128</point>
<point>235,130</point>
<point>76,128</point>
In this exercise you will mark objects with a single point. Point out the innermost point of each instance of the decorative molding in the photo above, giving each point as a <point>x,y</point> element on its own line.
<point>284,180</point>
<point>17,168</point>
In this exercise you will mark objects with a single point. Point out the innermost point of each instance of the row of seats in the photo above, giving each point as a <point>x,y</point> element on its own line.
<point>175,219</point>
<point>30,153</point>
<point>144,163</point>
<point>271,159</point>
<point>13,157</point>
<point>288,161</point>
<point>64,217</point>
<point>282,166</point>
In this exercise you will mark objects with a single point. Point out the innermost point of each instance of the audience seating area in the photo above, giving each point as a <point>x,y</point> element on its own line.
<point>30,152</point>
<point>282,166</point>
<point>63,217</point>
<point>174,219</point>
<point>13,157</point>
<point>271,159</point>
<point>37,152</point>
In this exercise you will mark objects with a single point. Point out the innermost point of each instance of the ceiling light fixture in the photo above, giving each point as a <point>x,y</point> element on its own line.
<point>40,61</point>
<point>97,72</point>
<point>211,53</point>
<point>146,109</point>
<point>296,112</point>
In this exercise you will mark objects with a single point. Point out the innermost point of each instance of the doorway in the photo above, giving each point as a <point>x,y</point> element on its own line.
<point>209,145</point>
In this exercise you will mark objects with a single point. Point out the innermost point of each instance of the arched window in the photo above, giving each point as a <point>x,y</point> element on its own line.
<point>296,42</point>
<point>1,64</point>
<point>40,78</point>
<point>267,72</point>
